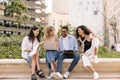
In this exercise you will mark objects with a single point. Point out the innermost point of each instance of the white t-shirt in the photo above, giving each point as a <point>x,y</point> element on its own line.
<point>65,43</point>
<point>27,44</point>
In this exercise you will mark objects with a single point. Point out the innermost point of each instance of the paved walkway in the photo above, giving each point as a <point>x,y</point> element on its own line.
<point>64,79</point>
<point>81,77</point>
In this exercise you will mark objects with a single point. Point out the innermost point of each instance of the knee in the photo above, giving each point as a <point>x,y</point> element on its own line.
<point>77,56</point>
<point>60,58</point>
<point>33,58</point>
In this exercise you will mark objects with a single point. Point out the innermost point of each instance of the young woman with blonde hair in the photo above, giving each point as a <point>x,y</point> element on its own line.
<point>50,43</point>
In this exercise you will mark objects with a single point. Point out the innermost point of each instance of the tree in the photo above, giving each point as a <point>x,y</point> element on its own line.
<point>15,8</point>
<point>113,24</point>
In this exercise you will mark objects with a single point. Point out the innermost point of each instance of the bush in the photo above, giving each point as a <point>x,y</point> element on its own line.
<point>10,47</point>
<point>12,52</point>
<point>106,53</point>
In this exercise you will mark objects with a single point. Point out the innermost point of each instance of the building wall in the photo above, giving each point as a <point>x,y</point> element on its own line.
<point>83,12</point>
<point>89,13</point>
<point>61,6</point>
<point>2,7</point>
<point>36,13</point>
<point>57,20</point>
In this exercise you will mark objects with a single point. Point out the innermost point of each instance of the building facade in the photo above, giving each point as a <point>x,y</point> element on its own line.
<point>57,20</point>
<point>89,13</point>
<point>36,15</point>
<point>59,15</point>
<point>83,12</point>
<point>60,6</point>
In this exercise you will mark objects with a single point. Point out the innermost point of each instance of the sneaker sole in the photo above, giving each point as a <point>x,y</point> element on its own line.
<point>55,76</point>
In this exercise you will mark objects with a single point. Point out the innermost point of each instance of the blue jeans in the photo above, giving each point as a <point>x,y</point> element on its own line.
<point>29,60</point>
<point>51,56</point>
<point>62,56</point>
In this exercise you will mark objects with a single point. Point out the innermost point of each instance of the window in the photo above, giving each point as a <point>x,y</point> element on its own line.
<point>95,12</point>
<point>93,3</point>
<point>32,18</point>
<point>86,8</point>
<point>80,3</point>
<point>88,3</point>
<point>53,24</point>
<point>53,20</point>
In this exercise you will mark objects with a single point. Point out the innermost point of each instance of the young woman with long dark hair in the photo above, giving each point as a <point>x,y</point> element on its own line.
<point>28,43</point>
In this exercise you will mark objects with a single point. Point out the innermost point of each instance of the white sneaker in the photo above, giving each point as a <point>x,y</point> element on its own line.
<point>49,78</point>
<point>96,59</point>
<point>50,75</point>
<point>57,76</point>
<point>95,75</point>
<point>66,75</point>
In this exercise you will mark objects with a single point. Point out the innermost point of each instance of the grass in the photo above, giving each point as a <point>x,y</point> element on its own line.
<point>106,53</point>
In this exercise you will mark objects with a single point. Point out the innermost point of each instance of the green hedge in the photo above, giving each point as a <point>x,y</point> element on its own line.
<point>10,47</point>
<point>14,52</point>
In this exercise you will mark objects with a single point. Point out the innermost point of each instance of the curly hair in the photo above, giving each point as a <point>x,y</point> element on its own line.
<point>47,32</point>
<point>85,29</point>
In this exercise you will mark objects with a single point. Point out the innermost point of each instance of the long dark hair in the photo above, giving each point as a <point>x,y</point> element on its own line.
<point>84,28</point>
<point>31,34</point>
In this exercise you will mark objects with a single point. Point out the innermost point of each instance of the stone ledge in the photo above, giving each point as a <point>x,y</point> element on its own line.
<point>106,67</point>
<point>42,60</point>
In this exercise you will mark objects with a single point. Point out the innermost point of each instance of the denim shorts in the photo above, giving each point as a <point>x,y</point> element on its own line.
<point>51,56</point>
<point>29,60</point>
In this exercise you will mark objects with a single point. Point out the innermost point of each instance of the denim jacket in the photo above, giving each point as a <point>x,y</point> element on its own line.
<point>73,45</point>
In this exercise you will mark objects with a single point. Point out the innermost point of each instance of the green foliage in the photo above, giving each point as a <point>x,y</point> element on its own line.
<point>42,52</point>
<point>71,30</point>
<point>41,29</point>
<point>15,7</point>
<point>10,47</point>
<point>11,52</point>
<point>106,53</point>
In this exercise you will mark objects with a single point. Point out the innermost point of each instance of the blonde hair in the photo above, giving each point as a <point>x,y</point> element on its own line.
<point>47,32</point>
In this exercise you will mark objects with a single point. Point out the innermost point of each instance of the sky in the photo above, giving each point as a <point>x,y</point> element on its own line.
<point>3,0</point>
<point>49,4</point>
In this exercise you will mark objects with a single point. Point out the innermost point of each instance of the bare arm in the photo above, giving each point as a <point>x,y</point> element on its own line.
<point>96,36</point>
<point>27,50</point>
<point>56,39</point>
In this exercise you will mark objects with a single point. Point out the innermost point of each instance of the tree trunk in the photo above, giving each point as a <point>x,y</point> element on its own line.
<point>115,35</point>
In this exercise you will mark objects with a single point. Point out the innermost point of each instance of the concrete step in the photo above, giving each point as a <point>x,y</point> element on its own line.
<point>18,68</point>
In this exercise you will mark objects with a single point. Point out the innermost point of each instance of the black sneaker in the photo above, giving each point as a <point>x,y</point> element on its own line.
<point>40,74</point>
